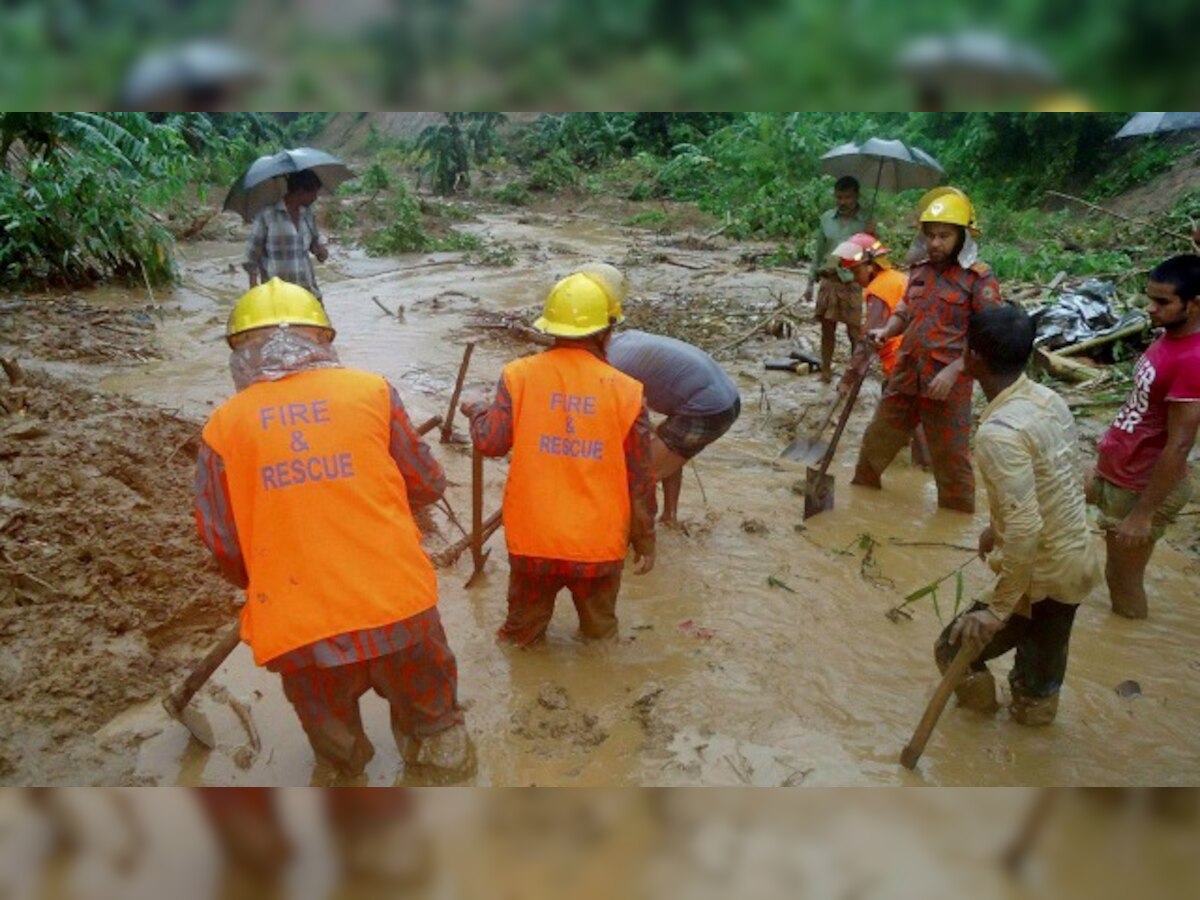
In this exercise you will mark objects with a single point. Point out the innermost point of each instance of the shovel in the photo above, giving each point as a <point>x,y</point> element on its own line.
<point>809,448</point>
<point>818,486</point>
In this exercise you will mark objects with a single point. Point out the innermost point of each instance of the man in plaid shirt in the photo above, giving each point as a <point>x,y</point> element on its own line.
<point>284,233</point>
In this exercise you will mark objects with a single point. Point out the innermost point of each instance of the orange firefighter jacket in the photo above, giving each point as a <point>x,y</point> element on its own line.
<point>307,463</point>
<point>567,495</point>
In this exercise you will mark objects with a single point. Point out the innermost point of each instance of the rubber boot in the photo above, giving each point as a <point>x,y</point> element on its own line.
<point>978,692</point>
<point>1033,711</point>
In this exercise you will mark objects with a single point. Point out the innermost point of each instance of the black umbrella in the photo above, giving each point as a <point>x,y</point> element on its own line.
<point>264,182</point>
<point>1158,122</point>
<point>890,165</point>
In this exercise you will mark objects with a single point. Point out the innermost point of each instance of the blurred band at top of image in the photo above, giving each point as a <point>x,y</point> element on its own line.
<point>641,54</point>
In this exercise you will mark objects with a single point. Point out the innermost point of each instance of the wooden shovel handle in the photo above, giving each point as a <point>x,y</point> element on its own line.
<point>477,507</point>
<point>841,425</point>
<point>966,654</point>
<point>182,695</point>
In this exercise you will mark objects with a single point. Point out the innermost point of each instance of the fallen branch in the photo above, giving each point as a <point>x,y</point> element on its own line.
<point>1116,215</point>
<point>757,327</point>
<point>386,311</point>
<point>1065,369</point>
<point>683,265</point>
<point>1092,343</point>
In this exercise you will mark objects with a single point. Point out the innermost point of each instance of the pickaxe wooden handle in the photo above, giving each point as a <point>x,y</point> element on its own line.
<point>448,425</point>
<point>967,651</point>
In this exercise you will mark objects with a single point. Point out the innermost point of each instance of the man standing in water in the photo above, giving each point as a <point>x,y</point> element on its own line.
<point>1038,539</point>
<point>305,484</point>
<point>681,381</point>
<point>928,386</point>
<point>284,233</point>
<point>839,298</point>
<point>1141,478</point>
<point>580,489</point>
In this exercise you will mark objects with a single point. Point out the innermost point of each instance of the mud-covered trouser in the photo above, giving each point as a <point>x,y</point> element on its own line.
<point>947,425</point>
<point>1041,642</point>
<point>531,604</point>
<point>420,684</point>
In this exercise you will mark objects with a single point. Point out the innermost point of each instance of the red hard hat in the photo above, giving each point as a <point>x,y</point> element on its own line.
<point>860,248</point>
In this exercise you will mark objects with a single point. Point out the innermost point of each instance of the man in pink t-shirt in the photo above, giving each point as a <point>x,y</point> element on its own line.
<point>1141,478</point>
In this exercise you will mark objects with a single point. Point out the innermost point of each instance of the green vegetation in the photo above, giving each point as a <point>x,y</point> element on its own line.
<point>87,196</point>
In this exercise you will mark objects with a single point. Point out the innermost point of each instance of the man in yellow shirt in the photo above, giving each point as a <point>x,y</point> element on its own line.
<point>1038,539</point>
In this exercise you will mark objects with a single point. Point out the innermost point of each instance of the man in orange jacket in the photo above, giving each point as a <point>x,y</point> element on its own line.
<point>580,486</point>
<point>883,288</point>
<point>305,484</point>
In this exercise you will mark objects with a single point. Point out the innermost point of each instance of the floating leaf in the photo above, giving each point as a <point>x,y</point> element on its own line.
<point>921,592</point>
<point>958,590</point>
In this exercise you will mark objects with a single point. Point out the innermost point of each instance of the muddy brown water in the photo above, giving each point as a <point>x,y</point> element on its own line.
<point>719,677</point>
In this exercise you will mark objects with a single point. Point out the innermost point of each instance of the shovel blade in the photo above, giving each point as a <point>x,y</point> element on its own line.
<point>818,492</point>
<point>807,450</point>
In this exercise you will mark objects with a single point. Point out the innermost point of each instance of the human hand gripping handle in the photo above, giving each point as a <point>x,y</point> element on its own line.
<point>642,562</point>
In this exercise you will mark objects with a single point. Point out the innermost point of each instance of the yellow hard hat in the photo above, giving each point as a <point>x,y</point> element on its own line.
<point>277,302</point>
<point>575,307</point>
<point>950,205</point>
<point>614,284</point>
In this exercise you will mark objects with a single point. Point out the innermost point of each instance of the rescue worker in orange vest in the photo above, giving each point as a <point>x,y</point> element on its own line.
<point>883,288</point>
<point>305,484</point>
<point>580,485</point>
<point>927,386</point>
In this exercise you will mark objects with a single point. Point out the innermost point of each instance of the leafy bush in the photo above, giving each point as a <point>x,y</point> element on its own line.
<point>553,173</point>
<point>513,193</point>
<point>650,218</point>
<point>501,254</point>
<point>457,240</point>
<point>404,233</point>
<point>73,206</point>
<point>374,179</point>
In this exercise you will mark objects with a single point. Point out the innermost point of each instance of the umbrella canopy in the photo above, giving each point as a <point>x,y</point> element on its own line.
<point>264,182</point>
<point>195,73</point>
<point>1158,122</point>
<point>888,165</point>
<point>980,63</point>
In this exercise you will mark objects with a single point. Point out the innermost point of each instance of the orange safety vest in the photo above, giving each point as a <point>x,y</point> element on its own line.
<point>889,286</point>
<point>321,509</point>
<point>567,495</point>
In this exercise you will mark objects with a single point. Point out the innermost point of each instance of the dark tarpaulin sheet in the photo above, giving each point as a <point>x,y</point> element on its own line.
<point>1081,315</point>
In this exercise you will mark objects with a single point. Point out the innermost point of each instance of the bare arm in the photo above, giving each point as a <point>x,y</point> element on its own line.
<point>643,503</point>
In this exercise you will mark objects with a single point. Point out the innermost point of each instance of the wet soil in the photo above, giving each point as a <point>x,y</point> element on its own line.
<point>758,651</point>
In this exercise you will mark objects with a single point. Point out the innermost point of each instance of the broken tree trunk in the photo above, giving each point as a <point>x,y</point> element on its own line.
<point>1092,343</point>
